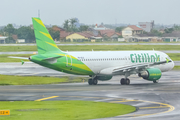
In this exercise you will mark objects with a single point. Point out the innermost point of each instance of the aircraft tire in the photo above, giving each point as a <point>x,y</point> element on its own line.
<point>155,81</point>
<point>95,81</point>
<point>127,81</point>
<point>122,81</point>
<point>90,81</point>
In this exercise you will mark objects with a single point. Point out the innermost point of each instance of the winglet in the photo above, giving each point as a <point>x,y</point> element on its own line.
<point>22,62</point>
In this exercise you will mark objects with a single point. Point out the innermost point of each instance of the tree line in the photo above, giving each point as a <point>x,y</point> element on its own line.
<point>24,32</point>
<point>69,26</point>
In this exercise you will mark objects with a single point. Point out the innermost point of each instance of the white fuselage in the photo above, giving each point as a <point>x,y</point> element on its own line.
<point>99,60</point>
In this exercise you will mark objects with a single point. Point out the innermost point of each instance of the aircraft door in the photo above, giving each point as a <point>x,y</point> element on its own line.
<point>68,61</point>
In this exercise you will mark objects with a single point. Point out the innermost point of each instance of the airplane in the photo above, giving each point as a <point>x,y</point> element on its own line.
<point>99,65</point>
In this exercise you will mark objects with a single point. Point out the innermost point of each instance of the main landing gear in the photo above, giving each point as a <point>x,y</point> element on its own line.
<point>125,81</point>
<point>92,81</point>
<point>155,81</point>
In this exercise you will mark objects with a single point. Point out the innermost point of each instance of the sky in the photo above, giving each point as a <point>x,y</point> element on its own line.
<point>55,12</point>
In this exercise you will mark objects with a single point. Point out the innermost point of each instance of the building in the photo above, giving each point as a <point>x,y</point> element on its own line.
<point>146,39</point>
<point>131,30</point>
<point>112,35</point>
<point>62,32</point>
<point>79,36</point>
<point>147,26</point>
<point>171,37</point>
<point>20,41</point>
<point>100,27</point>
<point>2,39</point>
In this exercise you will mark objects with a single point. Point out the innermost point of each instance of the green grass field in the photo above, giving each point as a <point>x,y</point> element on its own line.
<point>36,80</point>
<point>174,56</point>
<point>4,57</point>
<point>176,68</point>
<point>62,110</point>
<point>94,47</point>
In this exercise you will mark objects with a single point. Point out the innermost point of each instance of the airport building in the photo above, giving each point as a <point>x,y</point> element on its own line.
<point>146,26</point>
<point>2,39</point>
<point>131,30</point>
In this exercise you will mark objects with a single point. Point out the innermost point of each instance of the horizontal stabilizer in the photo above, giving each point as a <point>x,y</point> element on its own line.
<point>25,58</point>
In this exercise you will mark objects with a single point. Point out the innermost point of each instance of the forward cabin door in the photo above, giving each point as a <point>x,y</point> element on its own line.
<point>68,60</point>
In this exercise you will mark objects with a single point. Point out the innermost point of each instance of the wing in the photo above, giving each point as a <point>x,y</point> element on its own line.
<point>133,69</point>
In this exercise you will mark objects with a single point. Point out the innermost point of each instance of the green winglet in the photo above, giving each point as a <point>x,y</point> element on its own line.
<point>22,62</point>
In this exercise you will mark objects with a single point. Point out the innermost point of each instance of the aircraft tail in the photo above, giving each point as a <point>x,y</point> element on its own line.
<point>44,41</point>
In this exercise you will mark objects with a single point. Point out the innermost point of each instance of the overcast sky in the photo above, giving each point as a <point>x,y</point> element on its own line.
<point>54,12</point>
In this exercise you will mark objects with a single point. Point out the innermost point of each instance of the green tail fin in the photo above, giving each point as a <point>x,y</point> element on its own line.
<point>44,41</point>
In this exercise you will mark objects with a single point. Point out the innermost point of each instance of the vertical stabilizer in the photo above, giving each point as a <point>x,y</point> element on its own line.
<point>44,41</point>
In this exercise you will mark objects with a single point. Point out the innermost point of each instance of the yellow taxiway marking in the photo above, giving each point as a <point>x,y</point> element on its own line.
<point>171,108</point>
<point>47,98</point>
<point>123,101</point>
<point>154,107</point>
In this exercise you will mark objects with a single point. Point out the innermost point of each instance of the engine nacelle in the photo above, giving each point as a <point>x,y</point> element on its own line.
<point>151,74</point>
<point>104,78</point>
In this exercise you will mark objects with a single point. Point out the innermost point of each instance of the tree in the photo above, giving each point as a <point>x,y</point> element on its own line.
<point>156,32</point>
<point>69,26</point>
<point>1,32</point>
<point>55,34</point>
<point>169,30</point>
<point>73,28</point>
<point>9,29</point>
<point>83,28</point>
<point>66,25</point>
<point>26,33</point>
<point>119,29</point>
<point>176,27</point>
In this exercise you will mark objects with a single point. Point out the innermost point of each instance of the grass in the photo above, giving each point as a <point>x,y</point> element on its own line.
<point>94,47</point>
<point>174,56</point>
<point>176,68</point>
<point>4,57</point>
<point>36,80</point>
<point>62,110</point>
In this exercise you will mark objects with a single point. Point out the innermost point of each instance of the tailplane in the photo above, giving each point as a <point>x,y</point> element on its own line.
<point>44,41</point>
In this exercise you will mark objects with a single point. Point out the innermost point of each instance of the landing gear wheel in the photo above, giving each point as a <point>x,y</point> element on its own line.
<point>155,81</point>
<point>124,81</point>
<point>90,81</point>
<point>127,81</point>
<point>95,81</point>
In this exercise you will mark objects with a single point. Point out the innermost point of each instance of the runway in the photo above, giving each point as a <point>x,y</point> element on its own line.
<point>159,101</point>
<point>153,101</point>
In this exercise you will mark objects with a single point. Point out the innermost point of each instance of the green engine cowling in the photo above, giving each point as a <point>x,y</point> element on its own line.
<point>151,74</point>
<point>104,78</point>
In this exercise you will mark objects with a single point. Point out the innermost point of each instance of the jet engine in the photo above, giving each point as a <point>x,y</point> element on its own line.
<point>104,78</point>
<point>151,74</point>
